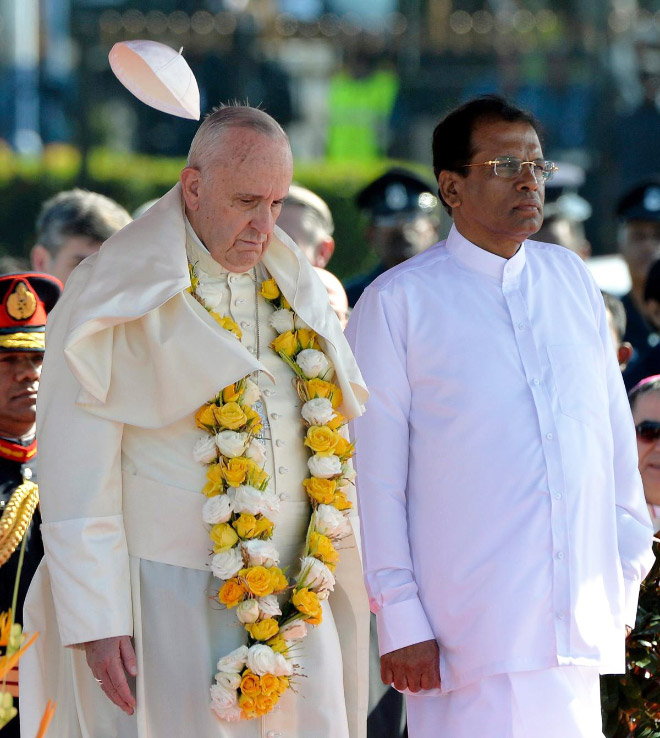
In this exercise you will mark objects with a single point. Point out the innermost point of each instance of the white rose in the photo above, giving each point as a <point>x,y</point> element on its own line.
<point>348,472</point>
<point>256,452</point>
<point>261,553</point>
<point>331,522</point>
<point>247,611</point>
<point>231,714</point>
<point>251,393</point>
<point>228,680</point>
<point>217,509</point>
<point>234,661</point>
<point>282,666</point>
<point>231,444</point>
<point>251,500</point>
<point>318,411</point>
<point>294,631</point>
<point>224,565</point>
<point>223,698</point>
<point>299,324</point>
<point>261,659</point>
<point>282,320</point>
<point>313,363</point>
<point>210,291</point>
<point>269,607</point>
<point>204,451</point>
<point>324,467</point>
<point>315,575</point>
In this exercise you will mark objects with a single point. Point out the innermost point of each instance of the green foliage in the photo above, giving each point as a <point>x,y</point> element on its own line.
<point>631,702</point>
<point>132,179</point>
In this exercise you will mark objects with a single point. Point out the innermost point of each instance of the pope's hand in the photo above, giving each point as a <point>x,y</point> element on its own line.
<point>109,658</point>
<point>413,667</point>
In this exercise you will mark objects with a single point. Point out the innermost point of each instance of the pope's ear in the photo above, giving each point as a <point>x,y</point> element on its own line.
<point>447,187</point>
<point>190,184</point>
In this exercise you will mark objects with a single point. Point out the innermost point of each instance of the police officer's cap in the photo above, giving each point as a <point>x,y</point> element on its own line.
<point>642,202</point>
<point>397,192</point>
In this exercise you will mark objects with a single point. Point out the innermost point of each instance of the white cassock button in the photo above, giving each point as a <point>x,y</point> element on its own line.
<point>549,436</point>
<point>239,301</point>
<point>283,470</point>
<point>245,324</point>
<point>252,349</point>
<point>268,392</point>
<point>275,416</point>
<point>279,443</point>
<point>27,473</point>
<point>273,734</point>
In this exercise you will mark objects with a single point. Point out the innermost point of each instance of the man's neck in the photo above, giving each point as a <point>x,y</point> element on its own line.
<point>505,247</point>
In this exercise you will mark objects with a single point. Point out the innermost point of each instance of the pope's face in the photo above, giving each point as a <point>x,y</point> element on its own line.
<point>19,381</point>
<point>233,201</point>
<point>495,213</point>
<point>647,407</point>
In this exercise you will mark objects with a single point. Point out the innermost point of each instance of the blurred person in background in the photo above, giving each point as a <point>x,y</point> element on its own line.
<point>616,320</point>
<point>645,364</point>
<point>403,221</point>
<point>645,405</point>
<point>71,226</point>
<point>25,301</point>
<point>307,219</point>
<point>638,212</point>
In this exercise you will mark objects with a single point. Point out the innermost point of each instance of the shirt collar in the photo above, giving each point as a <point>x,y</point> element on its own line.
<point>475,258</point>
<point>199,255</point>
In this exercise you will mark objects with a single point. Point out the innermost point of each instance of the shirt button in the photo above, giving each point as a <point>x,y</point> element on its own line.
<point>521,326</point>
<point>549,436</point>
<point>283,470</point>
<point>279,443</point>
<point>557,495</point>
<point>560,554</point>
<point>536,381</point>
<point>27,473</point>
<point>561,616</point>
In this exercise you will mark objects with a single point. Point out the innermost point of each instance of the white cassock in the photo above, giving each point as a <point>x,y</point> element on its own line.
<point>501,507</point>
<point>131,358</point>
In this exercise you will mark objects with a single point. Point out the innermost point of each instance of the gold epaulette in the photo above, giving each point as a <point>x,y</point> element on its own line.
<point>16,518</point>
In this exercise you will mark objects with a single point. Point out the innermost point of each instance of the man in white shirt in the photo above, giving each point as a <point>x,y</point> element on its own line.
<point>504,528</point>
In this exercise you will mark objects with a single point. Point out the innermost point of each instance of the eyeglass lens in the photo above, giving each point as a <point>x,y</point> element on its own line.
<point>509,167</point>
<point>648,430</point>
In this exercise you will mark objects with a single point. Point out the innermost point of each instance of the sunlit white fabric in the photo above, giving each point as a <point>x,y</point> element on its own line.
<point>501,507</point>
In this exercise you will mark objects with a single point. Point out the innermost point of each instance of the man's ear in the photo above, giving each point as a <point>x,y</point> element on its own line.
<point>41,259</point>
<point>325,251</point>
<point>447,186</point>
<point>191,179</point>
<point>624,354</point>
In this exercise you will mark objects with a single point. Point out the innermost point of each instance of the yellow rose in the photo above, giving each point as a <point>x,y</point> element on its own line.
<point>278,644</point>
<point>248,705</point>
<point>340,502</point>
<point>269,289</point>
<point>321,439</point>
<point>215,484</point>
<point>253,420</point>
<point>285,343</point>
<point>279,582</point>
<point>270,684</point>
<point>344,449</point>
<point>250,684</point>
<point>306,602</point>
<point>284,684</point>
<point>321,490</point>
<point>235,471</point>
<point>230,416</point>
<point>307,339</point>
<point>315,619</point>
<point>265,703</point>
<point>224,321</point>
<point>262,630</point>
<point>337,422</point>
<point>258,580</point>
<point>231,593</point>
<point>257,477</point>
<point>245,525</point>
<point>318,388</point>
<point>205,417</point>
<point>223,536</point>
<point>264,528</point>
<point>321,547</point>
<point>231,393</point>
<point>285,304</point>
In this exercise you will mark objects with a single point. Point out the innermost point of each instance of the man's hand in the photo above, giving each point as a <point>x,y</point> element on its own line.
<point>413,667</point>
<point>108,658</point>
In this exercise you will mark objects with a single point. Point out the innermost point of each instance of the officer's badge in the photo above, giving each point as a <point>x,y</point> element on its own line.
<point>22,303</point>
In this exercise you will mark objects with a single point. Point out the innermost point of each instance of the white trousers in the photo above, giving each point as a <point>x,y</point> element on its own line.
<point>562,702</point>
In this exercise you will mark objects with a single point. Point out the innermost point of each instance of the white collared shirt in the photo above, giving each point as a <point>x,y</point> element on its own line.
<point>501,507</point>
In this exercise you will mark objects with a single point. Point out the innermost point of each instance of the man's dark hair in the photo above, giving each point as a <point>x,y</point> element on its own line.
<point>652,284</point>
<point>618,312</point>
<point>452,137</point>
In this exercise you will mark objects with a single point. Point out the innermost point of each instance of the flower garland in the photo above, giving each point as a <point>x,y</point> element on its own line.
<point>240,509</point>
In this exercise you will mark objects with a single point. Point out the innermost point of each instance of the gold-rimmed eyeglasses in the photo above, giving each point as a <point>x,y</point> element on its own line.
<point>509,167</point>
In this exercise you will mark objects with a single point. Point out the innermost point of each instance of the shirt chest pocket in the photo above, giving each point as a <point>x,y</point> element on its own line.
<point>579,381</point>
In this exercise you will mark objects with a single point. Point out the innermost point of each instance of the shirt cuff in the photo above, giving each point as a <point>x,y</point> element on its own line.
<point>631,594</point>
<point>402,624</point>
